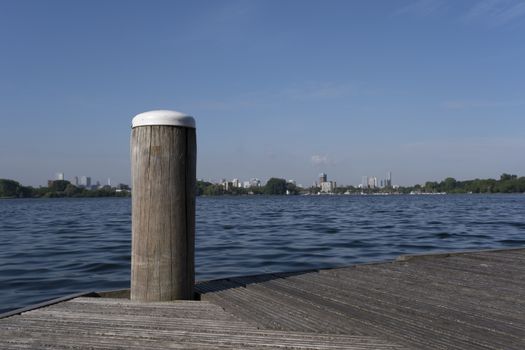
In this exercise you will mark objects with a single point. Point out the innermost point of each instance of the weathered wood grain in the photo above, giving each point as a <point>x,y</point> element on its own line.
<point>469,300</point>
<point>460,301</point>
<point>163,162</point>
<point>101,323</point>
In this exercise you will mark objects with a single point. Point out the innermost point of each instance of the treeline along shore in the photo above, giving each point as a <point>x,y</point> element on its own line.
<point>59,189</point>
<point>507,183</point>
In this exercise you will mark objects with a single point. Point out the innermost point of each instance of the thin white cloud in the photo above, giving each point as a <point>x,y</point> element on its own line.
<point>482,9</point>
<point>420,8</point>
<point>496,12</point>
<point>319,160</point>
<point>513,12</point>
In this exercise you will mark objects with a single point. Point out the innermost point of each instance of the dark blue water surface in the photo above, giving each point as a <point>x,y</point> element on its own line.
<point>55,247</point>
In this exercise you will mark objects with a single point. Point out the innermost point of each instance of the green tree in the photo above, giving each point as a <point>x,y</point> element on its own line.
<point>9,188</point>
<point>26,192</point>
<point>256,190</point>
<point>449,184</point>
<point>506,177</point>
<point>71,190</point>
<point>291,188</point>
<point>431,186</point>
<point>213,190</point>
<point>275,186</point>
<point>201,187</point>
<point>59,185</point>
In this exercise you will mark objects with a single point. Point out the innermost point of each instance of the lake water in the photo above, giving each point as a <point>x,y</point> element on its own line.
<point>55,247</point>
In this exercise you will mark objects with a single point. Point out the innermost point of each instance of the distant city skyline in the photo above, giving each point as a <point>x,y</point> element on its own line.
<point>322,178</point>
<point>323,181</point>
<point>425,89</point>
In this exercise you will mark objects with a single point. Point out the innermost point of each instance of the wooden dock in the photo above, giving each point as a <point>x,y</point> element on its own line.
<point>471,300</point>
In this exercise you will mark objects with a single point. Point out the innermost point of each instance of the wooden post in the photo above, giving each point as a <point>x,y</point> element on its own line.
<point>163,171</point>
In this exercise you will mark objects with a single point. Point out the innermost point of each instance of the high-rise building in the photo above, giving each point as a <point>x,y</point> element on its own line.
<point>236,183</point>
<point>75,180</point>
<point>364,182</point>
<point>388,179</point>
<point>85,181</point>
<point>325,185</point>
<point>59,176</point>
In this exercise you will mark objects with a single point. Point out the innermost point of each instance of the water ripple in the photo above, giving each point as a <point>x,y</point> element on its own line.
<point>53,247</point>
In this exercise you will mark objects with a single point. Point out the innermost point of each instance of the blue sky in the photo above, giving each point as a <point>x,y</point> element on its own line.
<point>423,88</point>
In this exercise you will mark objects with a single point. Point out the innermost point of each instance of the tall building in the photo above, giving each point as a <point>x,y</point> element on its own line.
<point>75,180</point>
<point>85,181</point>
<point>388,179</point>
<point>364,182</point>
<point>59,176</point>
<point>326,186</point>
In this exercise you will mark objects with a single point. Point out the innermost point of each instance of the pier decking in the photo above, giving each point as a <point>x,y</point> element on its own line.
<point>473,300</point>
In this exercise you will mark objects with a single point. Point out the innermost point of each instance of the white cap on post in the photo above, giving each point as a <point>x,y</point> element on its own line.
<point>163,117</point>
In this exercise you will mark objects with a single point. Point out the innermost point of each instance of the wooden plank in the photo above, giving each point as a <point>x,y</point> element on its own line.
<point>375,319</point>
<point>421,288</point>
<point>45,303</point>
<point>468,300</point>
<point>462,301</point>
<point>85,323</point>
<point>505,251</point>
<point>409,314</point>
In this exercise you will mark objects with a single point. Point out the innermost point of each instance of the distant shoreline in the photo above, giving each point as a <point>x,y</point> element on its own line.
<point>284,196</point>
<point>60,189</point>
<point>88,197</point>
<point>507,184</point>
